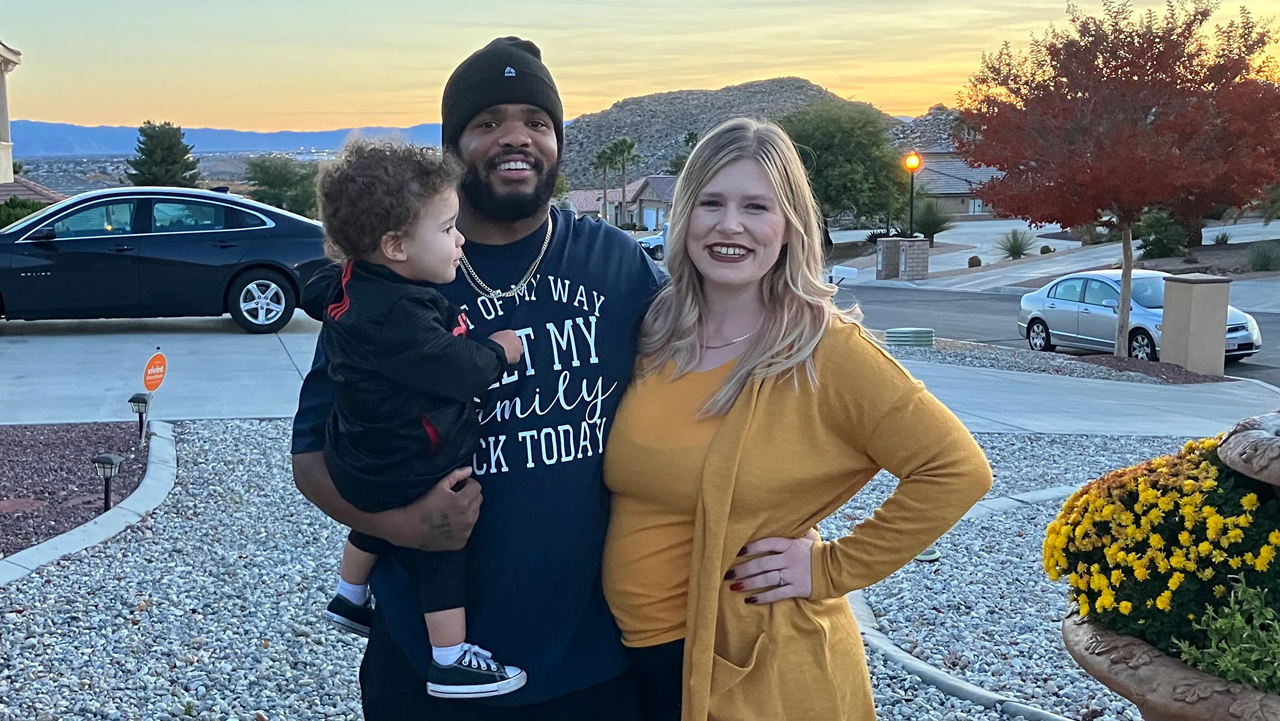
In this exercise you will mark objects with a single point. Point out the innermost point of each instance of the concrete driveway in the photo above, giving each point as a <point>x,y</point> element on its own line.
<point>982,235</point>
<point>76,371</point>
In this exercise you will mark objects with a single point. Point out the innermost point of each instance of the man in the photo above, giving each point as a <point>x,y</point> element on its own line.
<point>573,291</point>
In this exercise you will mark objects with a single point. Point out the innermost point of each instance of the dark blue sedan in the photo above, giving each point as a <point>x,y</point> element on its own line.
<point>142,252</point>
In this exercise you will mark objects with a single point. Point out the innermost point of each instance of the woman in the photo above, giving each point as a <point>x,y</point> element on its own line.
<point>758,409</point>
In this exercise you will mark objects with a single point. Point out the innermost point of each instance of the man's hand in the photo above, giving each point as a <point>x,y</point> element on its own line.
<point>510,343</point>
<point>441,520</point>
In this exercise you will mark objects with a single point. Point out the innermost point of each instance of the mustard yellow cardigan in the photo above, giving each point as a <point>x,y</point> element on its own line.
<point>785,457</point>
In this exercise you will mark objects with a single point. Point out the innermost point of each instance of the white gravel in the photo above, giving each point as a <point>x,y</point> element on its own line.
<point>208,609</point>
<point>986,612</point>
<point>981,355</point>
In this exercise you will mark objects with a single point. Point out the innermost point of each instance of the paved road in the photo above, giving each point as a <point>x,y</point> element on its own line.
<point>984,233</point>
<point>992,318</point>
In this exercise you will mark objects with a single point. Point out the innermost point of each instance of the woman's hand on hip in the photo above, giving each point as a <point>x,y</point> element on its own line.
<point>784,567</point>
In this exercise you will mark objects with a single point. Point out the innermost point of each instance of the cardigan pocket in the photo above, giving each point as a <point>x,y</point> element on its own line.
<point>731,697</point>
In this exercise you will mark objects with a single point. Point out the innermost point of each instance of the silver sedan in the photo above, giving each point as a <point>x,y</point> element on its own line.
<point>1081,311</point>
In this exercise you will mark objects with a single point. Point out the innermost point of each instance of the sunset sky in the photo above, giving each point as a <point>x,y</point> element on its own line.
<point>322,64</point>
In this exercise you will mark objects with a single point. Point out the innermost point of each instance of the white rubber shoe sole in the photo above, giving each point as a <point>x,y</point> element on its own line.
<point>478,690</point>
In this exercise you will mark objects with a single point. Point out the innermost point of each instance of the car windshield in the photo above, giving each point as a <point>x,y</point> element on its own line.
<point>35,216</point>
<point>1149,292</point>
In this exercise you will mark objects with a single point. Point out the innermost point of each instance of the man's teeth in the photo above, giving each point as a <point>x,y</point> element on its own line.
<point>728,250</point>
<point>515,165</point>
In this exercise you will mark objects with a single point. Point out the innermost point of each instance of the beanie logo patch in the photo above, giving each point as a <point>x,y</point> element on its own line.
<point>511,72</point>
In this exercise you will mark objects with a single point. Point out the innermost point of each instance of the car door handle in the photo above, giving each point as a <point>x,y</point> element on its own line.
<point>121,248</point>
<point>225,244</point>
<point>1085,311</point>
<point>1052,305</point>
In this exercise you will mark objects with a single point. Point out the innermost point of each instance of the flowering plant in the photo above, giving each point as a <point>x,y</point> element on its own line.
<point>1148,549</point>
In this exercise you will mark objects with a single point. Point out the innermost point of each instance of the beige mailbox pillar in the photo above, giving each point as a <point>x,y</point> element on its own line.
<point>887,259</point>
<point>9,59</point>
<point>1194,328</point>
<point>913,259</point>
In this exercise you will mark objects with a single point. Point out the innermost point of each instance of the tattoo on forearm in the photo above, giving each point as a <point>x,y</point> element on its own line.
<point>440,525</point>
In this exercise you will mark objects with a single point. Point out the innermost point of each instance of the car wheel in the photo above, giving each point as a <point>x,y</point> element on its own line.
<point>1142,347</point>
<point>261,301</point>
<point>1038,336</point>
<point>659,253</point>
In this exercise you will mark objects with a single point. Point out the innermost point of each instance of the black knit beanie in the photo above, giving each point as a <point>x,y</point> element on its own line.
<point>507,70</point>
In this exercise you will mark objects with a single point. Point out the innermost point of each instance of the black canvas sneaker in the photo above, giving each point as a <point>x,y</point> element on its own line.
<point>349,617</point>
<point>474,675</point>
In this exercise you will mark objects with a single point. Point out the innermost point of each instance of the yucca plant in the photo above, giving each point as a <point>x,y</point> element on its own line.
<point>931,220</point>
<point>1015,244</point>
<point>1264,256</point>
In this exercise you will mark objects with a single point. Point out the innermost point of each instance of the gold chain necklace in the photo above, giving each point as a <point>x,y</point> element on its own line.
<point>479,285</point>
<point>726,345</point>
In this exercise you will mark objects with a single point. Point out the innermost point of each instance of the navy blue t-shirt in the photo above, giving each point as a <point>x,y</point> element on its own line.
<point>534,594</point>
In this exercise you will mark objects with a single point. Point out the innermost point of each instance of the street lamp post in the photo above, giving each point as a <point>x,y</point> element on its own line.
<point>140,402</point>
<point>912,161</point>
<point>108,466</point>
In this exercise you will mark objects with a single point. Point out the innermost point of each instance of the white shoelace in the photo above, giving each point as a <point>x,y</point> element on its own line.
<point>477,658</point>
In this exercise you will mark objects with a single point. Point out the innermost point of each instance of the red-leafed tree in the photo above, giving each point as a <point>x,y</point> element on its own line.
<point>1096,122</point>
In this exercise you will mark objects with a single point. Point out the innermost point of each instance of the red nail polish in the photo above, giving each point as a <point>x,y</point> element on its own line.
<point>751,599</point>
<point>736,587</point>
<point>728,576</point>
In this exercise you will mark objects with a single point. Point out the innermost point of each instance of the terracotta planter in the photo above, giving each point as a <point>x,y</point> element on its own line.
<point>1162,687</point>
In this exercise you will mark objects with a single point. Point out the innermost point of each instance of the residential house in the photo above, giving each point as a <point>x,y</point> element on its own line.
<point>947,179</point>
<point>647,202</point>
<point>11,186</point>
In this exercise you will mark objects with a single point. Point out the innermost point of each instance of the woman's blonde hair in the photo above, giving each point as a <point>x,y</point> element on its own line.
<point>798,302</point>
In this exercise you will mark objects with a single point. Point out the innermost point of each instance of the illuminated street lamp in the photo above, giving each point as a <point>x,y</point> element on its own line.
<point>108,466</point>
<point>912,162</point>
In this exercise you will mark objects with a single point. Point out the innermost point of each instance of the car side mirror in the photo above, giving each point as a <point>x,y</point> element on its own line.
<point>1111,303</point>
<point>45,233</point>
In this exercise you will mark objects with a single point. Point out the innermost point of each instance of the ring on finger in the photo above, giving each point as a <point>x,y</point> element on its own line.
<point>781,581</point>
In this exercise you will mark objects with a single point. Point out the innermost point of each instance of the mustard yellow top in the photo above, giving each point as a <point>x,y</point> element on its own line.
<point>654,467</point>
<point>783,458</point>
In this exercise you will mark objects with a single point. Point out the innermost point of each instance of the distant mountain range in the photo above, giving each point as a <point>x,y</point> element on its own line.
<point>32,138</point>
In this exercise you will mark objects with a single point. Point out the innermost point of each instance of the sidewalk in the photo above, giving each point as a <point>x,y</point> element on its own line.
<point>50,374</point>
<point>1004,401</point>
<point>1259,296</point>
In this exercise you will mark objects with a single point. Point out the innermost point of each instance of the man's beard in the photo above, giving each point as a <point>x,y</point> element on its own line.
<point>509,207</point>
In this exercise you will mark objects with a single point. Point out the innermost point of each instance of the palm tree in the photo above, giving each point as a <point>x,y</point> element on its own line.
<point>624,154</point>
<point>604,162</point>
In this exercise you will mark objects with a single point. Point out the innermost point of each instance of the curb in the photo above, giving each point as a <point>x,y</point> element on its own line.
<point>162,468</point>
<point>995,290</point>
<point>1255,381</point>
<point>939,679</point>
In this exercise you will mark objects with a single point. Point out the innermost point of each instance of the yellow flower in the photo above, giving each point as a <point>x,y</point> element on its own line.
<point>1265,556</point>
<point>1084,605</point>
<point>1164,601</point>
<point>1156,541</point>
<point>1176,580</point>
<point>1235,561</point>
<point>1116,577</point>
<point>1205,574</point>
<point>1244,520</point>
<point>1205,548</point>
<point>1274,538</point>
<point>1219,591</point>
<point>1126,608</point>
<point>1140,572</point>
<point>1250,502</point>
<point>1184,538</point>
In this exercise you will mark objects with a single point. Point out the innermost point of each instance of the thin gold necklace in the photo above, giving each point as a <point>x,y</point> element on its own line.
<point>479,285</point>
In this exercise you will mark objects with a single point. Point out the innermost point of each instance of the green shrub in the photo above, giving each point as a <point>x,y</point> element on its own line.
<point>1046,249</point>
<point>1015,244</point>
<point>1222,239</point>
<point>931,220</point>
<point>1264,256</point>
<point>1243,641</point>
<point>974,261</point>
<point>15,209</point>
<point>1161,236</point>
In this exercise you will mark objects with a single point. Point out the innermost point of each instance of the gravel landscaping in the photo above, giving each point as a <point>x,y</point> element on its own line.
<point>981,355</point>
<point>986,612</point>
<point>209,607</point>
<point>49,485</point>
